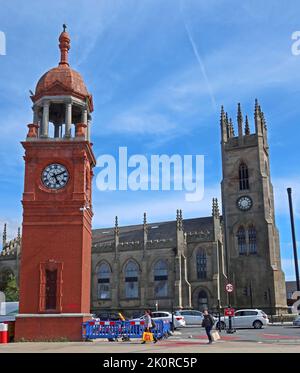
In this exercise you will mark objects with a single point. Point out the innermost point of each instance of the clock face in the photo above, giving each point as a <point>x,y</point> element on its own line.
<point>55,176</point>
<point>244,203</point>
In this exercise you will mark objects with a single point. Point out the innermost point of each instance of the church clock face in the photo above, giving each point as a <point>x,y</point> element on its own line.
<point>55,176</point>
<point>244,203</point>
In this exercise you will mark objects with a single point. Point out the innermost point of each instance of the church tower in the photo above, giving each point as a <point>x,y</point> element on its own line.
<point>57,208</point>
<point>251,236</point>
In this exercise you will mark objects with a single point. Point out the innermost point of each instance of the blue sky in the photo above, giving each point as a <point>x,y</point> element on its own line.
<point>159,72</point>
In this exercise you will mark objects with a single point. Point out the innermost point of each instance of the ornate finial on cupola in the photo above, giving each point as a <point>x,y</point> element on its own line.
<point>247,128</point>
<point>64,46</point>
<point>4,236</point>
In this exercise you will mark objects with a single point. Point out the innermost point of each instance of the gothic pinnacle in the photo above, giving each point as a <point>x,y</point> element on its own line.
<point>240,120</point>
<point>116,226</point>
<point>231,128</point>
<point>247,128</point>
<point>4,236</point>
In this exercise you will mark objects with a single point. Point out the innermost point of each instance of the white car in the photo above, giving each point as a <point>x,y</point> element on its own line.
<point>191,317</point>
<point>296,322</point>
<point>247,318</point>
<point>179,321</point>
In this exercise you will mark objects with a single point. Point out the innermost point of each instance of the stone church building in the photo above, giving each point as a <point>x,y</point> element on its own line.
<point>186,263</point>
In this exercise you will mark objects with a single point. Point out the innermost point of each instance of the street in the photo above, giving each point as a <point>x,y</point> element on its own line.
<point>270,334</point>
<point>276,339</point>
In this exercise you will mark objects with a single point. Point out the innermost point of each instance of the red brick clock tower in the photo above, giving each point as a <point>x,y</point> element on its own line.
<point>57,212</point>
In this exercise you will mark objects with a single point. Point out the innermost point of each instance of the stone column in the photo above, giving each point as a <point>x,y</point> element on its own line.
<point>35,115</point>
<point>68,119</point>
<point>88,130</point>
<point>84,119</point>
<point>45,119</point>
<point>56,130</point>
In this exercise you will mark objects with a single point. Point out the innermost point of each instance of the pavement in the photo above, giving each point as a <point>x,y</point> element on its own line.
<point>275,339</point>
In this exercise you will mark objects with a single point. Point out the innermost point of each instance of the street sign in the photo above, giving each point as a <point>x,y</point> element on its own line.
<point>229,288</point>
<point>229,312</point>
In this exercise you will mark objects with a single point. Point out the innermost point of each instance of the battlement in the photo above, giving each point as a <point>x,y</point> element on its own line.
<point>244,136</point>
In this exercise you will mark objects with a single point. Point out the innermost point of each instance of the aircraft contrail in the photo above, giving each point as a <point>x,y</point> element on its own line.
<point>201,64</point>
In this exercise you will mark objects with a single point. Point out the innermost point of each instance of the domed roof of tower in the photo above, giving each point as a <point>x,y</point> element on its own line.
<point>62,80</point>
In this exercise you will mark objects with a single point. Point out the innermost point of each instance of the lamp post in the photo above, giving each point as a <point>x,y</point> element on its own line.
<point>173,328</point>
<point>289,191</point>
<point>219,315</point>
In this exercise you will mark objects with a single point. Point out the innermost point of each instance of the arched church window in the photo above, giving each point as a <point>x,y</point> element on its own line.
<point>131,280</point>
<point>252,240</point>
<point>241,240</point>
<point>104,275</point>
<point>161,279</point>
<point>202,301</point>
<point>243,177</point>
<point>201,262</point>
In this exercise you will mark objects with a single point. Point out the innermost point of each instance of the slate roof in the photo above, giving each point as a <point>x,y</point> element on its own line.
<point>156,231</point>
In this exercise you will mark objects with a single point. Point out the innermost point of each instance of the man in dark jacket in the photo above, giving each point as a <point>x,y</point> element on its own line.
<point>208,323</point>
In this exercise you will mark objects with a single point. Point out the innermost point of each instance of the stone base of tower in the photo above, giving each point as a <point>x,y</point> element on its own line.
<point>49,327</point>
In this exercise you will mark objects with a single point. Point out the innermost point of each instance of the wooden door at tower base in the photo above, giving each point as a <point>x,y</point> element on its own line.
<point>51,288</point>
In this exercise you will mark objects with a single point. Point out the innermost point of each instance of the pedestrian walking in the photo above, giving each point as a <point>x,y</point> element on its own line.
<point>208,323</point>
<point>149,325</point>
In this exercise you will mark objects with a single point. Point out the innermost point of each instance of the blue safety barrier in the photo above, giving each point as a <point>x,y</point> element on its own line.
<point>112,330</point>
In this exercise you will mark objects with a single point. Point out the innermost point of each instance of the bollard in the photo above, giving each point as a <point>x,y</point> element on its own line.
<point>3,333</point>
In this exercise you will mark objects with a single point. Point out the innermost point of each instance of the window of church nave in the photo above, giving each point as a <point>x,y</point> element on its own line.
<point>161,279</point>
<point>131,280</point>
<point>104,275</point>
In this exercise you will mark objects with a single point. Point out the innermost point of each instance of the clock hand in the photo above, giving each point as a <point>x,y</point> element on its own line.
<point>53,175</point>
<point>60,173</point>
